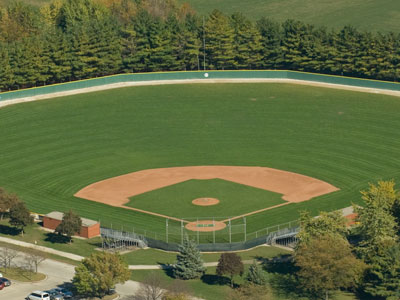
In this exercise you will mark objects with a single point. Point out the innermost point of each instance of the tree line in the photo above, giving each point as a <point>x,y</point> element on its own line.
<point>68,40</point>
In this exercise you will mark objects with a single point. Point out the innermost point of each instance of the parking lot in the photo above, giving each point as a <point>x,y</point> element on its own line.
<point>57,274</point>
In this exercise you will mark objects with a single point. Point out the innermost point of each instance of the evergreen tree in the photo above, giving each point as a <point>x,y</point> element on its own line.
<point>6,72</point>
<point>219,38</point>
<point>347,44</point>
<point>383,276</point>
<point>189,264</point>
<point>255,275</point>
<point>138,57</point>
<point>377,227</point>
<point>59,51</point>
<point>162,49</point>
<point>379,246</point>
<point>247,43</point>
<point>271,41</point>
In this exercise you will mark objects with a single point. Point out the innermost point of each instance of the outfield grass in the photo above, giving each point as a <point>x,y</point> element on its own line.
<point>235,199</point>
<point>50,149</point>
<point>368,15</point>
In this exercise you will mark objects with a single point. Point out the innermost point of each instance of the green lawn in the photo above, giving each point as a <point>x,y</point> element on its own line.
<point>50,149</point>
<point>375,15</point>
<point>177,199</point>
<point>35,234</point>
<point>209,287</point>
<point>21,275</point>
<point>154,256</point>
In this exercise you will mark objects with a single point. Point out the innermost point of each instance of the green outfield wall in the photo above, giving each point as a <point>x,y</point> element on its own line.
<point>199,75</point>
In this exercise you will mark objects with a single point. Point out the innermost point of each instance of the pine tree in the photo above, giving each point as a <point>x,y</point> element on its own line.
<point>219,37</point>
<point>271,41</point>
<point>189,264</point>
<point>379,246</point>
<point>377,228</point>
<point>383,276</point>
<point>6,72</point>
<point>255,275</point>
<point>247,43</point>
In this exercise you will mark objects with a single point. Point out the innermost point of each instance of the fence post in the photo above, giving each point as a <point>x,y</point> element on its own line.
<point>245,233</point>
<point>230,232</point>
<point>213,232</point>
<point>182,232</point>
<point>166,227</point>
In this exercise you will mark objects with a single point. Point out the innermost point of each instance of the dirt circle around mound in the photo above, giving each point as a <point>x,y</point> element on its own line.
<point>205,226</point>
<point>205,201</point>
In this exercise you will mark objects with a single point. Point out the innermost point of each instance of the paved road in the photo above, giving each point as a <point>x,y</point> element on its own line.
<point>57,274</point>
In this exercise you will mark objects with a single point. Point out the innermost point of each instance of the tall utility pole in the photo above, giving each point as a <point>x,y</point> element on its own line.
<point>204,45</point>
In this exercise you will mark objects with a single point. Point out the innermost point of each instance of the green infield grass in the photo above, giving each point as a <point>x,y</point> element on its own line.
<point>50,149</point>
<point>235,199</point>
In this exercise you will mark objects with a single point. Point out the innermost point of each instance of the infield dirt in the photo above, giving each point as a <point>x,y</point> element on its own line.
<point>294,187</point>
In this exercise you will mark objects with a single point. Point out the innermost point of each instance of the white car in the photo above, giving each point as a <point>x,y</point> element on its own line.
<point>38,295</point>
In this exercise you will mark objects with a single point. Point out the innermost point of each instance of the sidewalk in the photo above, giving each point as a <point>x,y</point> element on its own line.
<point>79,258</point>
<point>41,248</point>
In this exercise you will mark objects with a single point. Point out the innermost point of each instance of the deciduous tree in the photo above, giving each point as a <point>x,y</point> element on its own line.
<point>71,224</point>
<point>99,273</point>
<point>326,264</point>
<point>326,223</point>
<point>230,264</point>
<point>20,216</point>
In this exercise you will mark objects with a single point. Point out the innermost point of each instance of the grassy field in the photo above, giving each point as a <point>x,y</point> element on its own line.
<point>369,15</point>
<point>35,234</point>
<point>52,148</point>
<point>154,256</point>
<point>364,14</point>
<point>177,199</point>
<point>211,287</point>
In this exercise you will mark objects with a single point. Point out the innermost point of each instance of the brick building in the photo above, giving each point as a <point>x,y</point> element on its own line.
<point>89,228</point>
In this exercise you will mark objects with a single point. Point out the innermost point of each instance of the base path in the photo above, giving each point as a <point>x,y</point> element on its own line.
<point>116,191</point>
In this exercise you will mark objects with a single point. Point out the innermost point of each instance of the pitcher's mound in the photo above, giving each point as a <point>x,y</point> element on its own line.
<point>205,201</point>
<point>205,225</point>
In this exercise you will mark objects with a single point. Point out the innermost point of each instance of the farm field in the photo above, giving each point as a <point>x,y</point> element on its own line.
<point>50,149</point>
<point>367,15</point>
<point>363,14</point>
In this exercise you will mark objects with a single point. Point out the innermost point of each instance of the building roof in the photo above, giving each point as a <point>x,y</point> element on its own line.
<point>56,215</point>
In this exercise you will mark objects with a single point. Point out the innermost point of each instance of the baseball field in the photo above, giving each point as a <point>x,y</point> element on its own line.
<point>52,149</point>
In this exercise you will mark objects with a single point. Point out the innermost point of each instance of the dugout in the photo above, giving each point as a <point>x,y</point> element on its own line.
<point>88,230</point>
